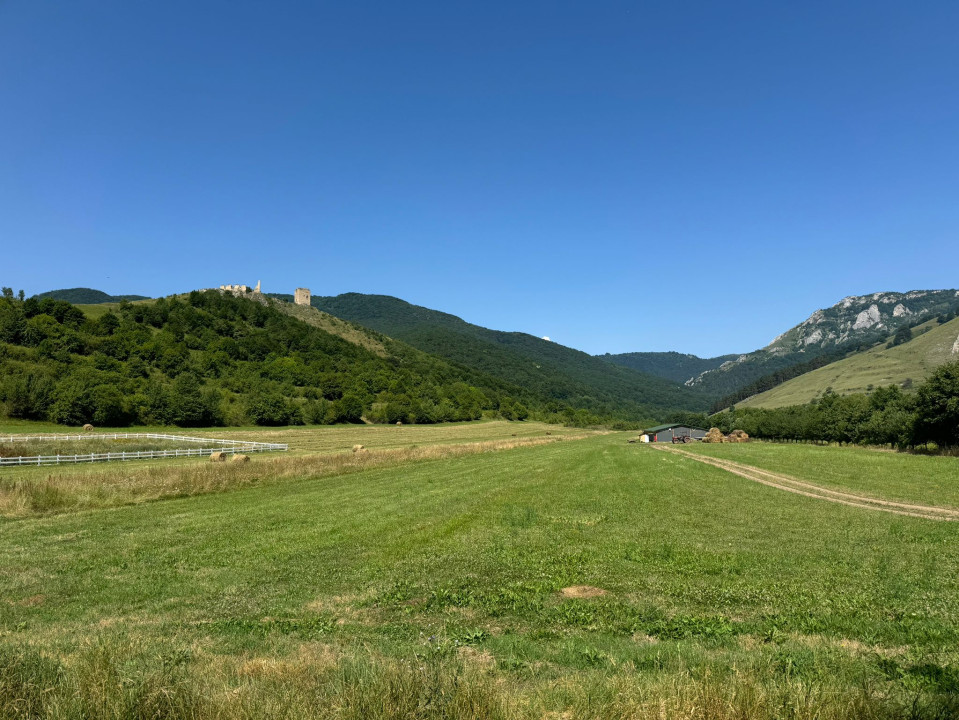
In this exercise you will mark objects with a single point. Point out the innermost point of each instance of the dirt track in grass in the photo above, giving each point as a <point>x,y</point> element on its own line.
<point>806,489</point>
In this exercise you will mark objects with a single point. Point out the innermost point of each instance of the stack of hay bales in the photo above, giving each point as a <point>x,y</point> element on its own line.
<point>715,435</point>
<point>737,436</point>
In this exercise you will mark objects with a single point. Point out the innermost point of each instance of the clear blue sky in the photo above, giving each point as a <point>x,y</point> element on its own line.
<point>552,167</point>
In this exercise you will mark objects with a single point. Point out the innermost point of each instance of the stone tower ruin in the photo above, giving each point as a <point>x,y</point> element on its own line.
<point>302,296</point>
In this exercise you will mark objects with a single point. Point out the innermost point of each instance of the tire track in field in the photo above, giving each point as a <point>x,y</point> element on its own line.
<point>800,487</point>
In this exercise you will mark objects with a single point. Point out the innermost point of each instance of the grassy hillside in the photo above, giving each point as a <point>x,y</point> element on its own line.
<point>904,365</point>
<point>87,296</point>
<point>678,367</point>
<point>364,337</point>
<point>547,368</point>
<point>853,324</point>
<point>513,583</point>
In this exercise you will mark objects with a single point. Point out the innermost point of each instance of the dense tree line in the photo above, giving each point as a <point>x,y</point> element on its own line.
<point>887,416</point>
<point>212,358</point>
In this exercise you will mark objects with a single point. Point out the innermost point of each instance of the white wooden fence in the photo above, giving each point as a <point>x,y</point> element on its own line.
<point>229,447</point>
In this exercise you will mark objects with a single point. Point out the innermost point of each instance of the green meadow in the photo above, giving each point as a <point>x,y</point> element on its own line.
<point>482,575</point>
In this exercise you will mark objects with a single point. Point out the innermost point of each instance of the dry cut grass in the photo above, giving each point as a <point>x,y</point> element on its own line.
<point>108,486</point>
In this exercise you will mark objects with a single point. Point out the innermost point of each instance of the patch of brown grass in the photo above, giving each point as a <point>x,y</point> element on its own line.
<point>582,591</point>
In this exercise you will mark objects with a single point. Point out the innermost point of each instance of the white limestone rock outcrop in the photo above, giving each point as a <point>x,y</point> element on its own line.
<point>867,318</point>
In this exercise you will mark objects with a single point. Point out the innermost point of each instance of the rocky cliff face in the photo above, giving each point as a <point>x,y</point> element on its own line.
<point>853,321</point>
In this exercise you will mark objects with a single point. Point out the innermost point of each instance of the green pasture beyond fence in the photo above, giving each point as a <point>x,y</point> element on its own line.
<point>229,447</point>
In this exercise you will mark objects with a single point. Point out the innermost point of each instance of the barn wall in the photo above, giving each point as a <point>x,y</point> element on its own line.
<point>679,430</point>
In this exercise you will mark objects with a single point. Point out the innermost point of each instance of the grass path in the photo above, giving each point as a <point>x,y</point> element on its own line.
<point>799,487</point>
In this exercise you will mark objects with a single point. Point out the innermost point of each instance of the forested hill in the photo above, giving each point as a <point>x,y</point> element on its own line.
<point>210,358</point>
<point>87,296</point>
<point>544,367</point>
<point>678,367</point>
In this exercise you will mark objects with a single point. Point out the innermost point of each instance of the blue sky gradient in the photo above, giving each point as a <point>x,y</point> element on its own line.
<point>691,176</point>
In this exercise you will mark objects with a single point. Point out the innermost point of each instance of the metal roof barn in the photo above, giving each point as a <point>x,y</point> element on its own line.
<point>674,433</point>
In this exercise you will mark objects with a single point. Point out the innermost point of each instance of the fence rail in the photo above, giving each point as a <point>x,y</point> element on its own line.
<point>229,447</point>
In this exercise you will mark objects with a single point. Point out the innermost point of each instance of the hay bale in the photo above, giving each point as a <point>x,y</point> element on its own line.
<point>239,458</point>
<point>738,436</point>
<point>88,428</point>
<point>357,448</point>
<point>399,422</point>
<point>715,435</point>
<point>218,456</point>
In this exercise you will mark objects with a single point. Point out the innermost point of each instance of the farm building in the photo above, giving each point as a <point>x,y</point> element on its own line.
<point>674,433</point>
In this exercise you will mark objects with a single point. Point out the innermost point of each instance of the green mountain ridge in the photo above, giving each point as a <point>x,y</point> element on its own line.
<point>211,358</point>
<point>678,367</point>
<point>631,386</point>
<point>545,367</point>
<point>87,296</point>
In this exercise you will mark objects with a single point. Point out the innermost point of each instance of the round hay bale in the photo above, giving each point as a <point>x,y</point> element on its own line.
<point>238,458</point>
<point>357,448</point>
<point>398,422</point>
<point>218,456</point>
<point>88,428</point>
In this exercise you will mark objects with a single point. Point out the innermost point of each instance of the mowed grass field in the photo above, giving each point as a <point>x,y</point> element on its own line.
<point>313,451</point>
<point>308,439</point>
<point>577,577</point>
<point>883,474</point>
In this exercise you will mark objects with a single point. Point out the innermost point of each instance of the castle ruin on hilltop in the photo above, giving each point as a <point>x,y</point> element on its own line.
<point>300,297</point>
<point>244,289</point>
